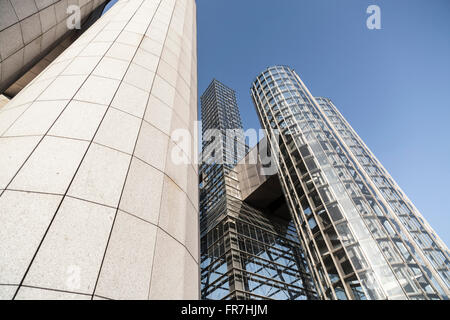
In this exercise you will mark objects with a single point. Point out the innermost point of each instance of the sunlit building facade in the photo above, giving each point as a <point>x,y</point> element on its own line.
<point>223,143</point>
<point>92,198</point>
<point>362,235</point>
<point>249,248</point>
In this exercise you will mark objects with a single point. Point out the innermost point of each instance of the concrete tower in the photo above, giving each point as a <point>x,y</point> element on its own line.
<point>94,200</point>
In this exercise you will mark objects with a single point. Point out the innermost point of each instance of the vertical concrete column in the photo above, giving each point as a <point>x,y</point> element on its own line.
<point>94,200</point>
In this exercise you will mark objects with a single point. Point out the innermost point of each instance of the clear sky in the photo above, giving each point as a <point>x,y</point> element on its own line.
<point>392,85</point>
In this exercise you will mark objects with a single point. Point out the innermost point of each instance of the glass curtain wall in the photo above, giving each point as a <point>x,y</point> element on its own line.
<point>363,236</point>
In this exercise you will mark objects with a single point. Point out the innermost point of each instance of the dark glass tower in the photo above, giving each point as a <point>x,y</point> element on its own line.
<point>220,113</point>
<point>247,251</point>
<point>223,141</point>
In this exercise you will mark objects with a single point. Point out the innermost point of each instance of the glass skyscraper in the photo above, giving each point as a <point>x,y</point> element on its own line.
<point>223,141</point>
<point>362,235</point>
<point>247,252</point>
<point>220,112</point>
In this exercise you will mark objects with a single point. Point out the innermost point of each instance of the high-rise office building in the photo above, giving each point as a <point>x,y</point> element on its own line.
<point>249,245</point>
<point>362,235</point>
<point>220,112</point>
<point>93,195</point>
<point>223,143</point>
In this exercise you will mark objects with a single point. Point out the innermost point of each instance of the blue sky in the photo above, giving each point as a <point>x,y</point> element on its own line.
<point>392,85</point>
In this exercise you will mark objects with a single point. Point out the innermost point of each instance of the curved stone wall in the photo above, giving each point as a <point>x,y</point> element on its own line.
<point>94,201</point>
<point>29,29</point>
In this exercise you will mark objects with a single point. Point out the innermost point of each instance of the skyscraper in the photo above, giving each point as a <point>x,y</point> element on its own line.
<point>363,236</point>
<point>220,112</point>
<point>223,143</point>
<point>92,199</point>
<point>249,249</point>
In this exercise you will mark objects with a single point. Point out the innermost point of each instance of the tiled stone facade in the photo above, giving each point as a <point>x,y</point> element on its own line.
<point>29,29</point>
<point>92,202</point>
